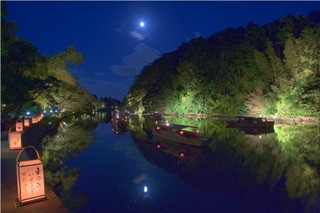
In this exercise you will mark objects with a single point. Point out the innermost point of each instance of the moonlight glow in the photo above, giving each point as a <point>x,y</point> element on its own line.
<point>141,24</point>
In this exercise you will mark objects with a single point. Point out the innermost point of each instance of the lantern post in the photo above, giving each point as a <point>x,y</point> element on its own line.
<point>30,179</point>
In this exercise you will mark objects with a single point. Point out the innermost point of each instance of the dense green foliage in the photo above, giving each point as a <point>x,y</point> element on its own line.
<point>27,76</point>
<point>270,70</point>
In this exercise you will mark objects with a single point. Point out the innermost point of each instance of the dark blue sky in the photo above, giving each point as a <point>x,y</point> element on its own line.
<point>116,47</point>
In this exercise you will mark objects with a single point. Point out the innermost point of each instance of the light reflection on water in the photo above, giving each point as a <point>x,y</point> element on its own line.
<point>249,172</point>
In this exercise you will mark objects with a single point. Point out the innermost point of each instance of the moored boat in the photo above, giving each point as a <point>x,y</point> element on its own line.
<point>181,134</point>
<point>250,122</point>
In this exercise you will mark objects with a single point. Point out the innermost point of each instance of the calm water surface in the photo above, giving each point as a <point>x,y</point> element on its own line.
<point>240,171</point>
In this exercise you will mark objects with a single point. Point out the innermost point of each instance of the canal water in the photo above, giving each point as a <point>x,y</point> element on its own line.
<point>96,166</point>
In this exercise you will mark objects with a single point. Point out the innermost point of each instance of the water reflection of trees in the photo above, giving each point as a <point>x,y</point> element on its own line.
<point>72,137</point>
<point>303,172</point>
<point>252,166</point>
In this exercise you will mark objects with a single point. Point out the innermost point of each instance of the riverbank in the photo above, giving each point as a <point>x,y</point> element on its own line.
<point>277,120</point>
<point>31,136</point>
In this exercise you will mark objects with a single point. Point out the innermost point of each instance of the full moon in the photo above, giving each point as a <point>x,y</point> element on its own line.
<point>141,24</point>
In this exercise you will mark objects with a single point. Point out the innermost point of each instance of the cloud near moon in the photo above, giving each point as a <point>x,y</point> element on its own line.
<point>137,35</point>
<point>133,64</point>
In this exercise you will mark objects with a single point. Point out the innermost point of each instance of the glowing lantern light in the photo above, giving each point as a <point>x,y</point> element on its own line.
<point>158,127</point>
<point>14,140</point>
<point>181,155</point>
<point>19,126</point>
<point>26,122</point>
<point>34,120</point>
<point>181,132</point>
<point>158,146</point>
<point>30,179</point>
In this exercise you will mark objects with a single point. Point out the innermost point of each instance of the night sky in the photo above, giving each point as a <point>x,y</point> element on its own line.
<point>114,44</point>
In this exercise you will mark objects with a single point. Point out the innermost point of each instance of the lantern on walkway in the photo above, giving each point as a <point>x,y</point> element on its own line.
<point>34,120</point>
<point>30,179</point>
<point>26,122</point>
<point>14,139</point>
<point>19,126</point>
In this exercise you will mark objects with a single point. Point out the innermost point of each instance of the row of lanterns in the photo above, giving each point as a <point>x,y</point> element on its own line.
<point>15,136</point>
<point>30,175</point>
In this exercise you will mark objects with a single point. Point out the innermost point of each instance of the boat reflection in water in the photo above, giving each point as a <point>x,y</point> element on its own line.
<point>184,152</point>
<point>119,125</point>
<point>252,125</point>
<point>119,129</point>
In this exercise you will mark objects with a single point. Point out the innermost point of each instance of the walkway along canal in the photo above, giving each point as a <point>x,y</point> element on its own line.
<point>9,193</point>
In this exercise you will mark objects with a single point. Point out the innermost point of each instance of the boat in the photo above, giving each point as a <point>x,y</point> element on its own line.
<point>180,134</point>
<point>246,122</point>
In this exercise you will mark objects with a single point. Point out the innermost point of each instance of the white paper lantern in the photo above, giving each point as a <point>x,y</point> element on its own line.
<point>26,122</point>
<point>30,179</point>
<point>19,126</point>
<point>14,139</point>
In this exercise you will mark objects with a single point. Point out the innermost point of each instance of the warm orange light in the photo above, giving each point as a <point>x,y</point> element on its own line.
<point>197,131</point>
<point>26,122</point>
<point>19,126</point>
<point>14,140</point>
<point>34,120</point>
<point>30,179</point>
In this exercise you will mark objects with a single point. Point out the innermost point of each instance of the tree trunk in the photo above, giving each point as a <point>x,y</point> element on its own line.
<point>18,113</point>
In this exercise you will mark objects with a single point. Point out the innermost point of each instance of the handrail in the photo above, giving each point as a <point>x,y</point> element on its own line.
<point>27,148</point>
